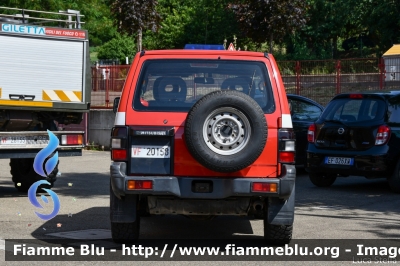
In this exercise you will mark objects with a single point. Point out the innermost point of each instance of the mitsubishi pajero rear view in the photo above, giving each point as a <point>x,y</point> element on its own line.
<point>203,133</point>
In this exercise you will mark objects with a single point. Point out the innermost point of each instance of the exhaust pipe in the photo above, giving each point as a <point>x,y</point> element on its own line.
<point>258,205</point>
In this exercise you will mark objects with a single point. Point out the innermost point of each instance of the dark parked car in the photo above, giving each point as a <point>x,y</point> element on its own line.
<point>357,134</point>
<point>304,112</point>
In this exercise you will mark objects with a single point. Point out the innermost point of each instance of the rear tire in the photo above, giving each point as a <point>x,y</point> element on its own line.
<point>279,234</point>
<point>276,234</point>
<point>394,179</point>
<point>23,174</point>
<point>322,179</point>
<point>124,232</point>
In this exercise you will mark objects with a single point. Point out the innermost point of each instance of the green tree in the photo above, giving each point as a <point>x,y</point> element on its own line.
<point>43,5</point>
<point>269,20</point>
<point>327,22</point>
<point>120,47</point>
<point>97,15</point>
<point>382,20</point>
<point>134,16</point>
<point>202,21</point>
<point>211,23</point>
<point>171,34</point>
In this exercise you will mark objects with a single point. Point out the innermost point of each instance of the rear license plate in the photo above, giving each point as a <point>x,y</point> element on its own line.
<point>23,140</point>
<point>148,151</point>
<point>339,160</point>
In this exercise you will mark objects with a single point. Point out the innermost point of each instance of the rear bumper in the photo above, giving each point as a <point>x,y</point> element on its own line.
<point>31,153</point>
<point>182,186</point>
<point>372,164</point>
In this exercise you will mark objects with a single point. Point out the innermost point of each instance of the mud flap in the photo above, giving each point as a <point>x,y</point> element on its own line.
<point>281,212</point>
<point>123,210</point>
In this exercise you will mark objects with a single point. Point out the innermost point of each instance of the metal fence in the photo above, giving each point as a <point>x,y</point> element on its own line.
<point>107,83</point>
<point>319,80</point>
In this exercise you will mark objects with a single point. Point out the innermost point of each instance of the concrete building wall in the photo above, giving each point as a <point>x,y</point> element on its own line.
<point>100,124</point>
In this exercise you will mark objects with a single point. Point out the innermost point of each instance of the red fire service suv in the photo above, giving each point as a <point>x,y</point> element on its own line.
<point>203,133</point>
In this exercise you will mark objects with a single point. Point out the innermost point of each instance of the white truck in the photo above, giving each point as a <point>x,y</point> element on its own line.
<point>44,81</point>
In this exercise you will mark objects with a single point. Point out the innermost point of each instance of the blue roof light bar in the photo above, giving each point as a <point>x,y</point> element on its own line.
<point>204,47</point>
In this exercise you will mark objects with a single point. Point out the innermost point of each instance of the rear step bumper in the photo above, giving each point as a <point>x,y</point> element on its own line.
<point>182,187</point>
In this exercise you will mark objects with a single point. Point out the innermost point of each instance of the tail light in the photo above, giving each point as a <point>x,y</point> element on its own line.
<point>118,155</point>
<point>119,144</point>
<point>139,184</point>
<point>355,96</point>
<point>287,150</point>
<point>311,133</point>
<point>383,134</point>
<point>286,157</point>
<point>264,187</point>
<point>71,139</point>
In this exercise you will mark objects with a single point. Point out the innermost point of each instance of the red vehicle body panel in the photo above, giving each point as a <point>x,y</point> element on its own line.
<point>184,164</point>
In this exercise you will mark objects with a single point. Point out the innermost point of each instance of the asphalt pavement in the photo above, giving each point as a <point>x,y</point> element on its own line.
<point>353,208</point>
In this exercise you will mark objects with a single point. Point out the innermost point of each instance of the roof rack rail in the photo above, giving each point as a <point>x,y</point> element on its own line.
<point>73,19</point>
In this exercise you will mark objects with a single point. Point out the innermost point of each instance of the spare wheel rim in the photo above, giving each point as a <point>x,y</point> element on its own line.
<point>226,131</point>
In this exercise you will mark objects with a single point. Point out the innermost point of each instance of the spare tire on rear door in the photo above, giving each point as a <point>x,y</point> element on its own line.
<point>226,131</point>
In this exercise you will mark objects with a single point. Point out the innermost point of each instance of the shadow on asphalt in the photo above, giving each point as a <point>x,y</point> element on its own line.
<point>153,227</point>
<point>348,196</point>
<point>352,192</point>
<point>80,185</point>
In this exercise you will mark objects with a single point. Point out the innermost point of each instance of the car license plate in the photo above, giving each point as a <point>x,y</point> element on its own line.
<point>23,140</point>
<point>339,160</point>
<point>150,151</point>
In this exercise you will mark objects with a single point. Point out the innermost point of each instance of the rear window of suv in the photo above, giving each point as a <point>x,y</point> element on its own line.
<point>354,110</point>
<point>175,85</point>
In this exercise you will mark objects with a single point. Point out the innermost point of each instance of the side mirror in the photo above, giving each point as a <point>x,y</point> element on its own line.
<point>115,104</point>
